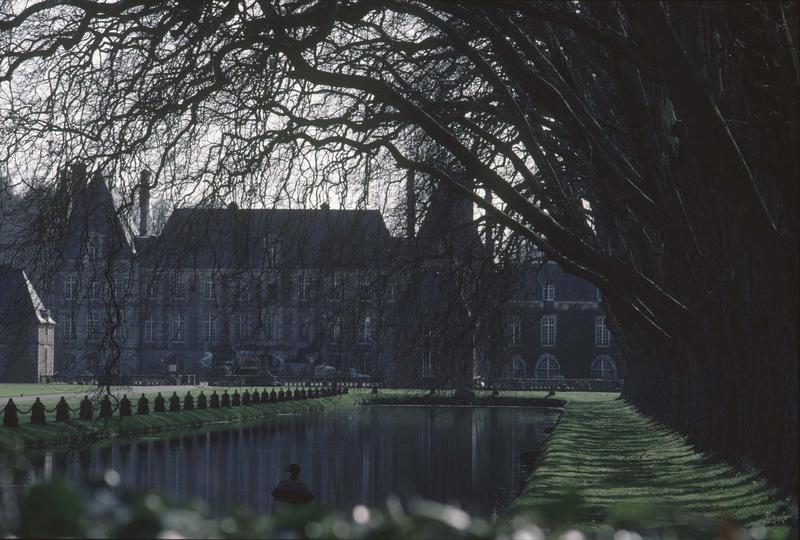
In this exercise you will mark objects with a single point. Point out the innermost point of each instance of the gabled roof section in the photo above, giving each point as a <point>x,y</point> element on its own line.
<point>19,302</point>
<point>94,213</point>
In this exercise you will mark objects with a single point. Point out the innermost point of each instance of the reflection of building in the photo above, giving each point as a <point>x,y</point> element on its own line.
<point>26,330</point>
<point>298,289</point>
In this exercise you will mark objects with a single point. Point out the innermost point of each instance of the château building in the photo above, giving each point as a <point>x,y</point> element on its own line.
<point>297,289</point>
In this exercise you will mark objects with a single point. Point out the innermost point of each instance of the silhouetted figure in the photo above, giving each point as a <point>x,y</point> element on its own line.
<point>265,396</point>
<point>292,490</point>
<point>281,395</point>
<point>296,394</point>
<point>214,400</point>
<point>159,403</point>
<point>256,399</point>
<point>302,393</point>
<point>62,410</point>
<point>37,413</point>
<point>85,410</point>
<point>202,402</point>
<point>10,414</point>
<point>226,399</point>
<point>246,398</point>
<point>375,389</point>
<point>125,406</point>
<point>495,393</point>
<point>105,407</point>
<point>188,402</point>
<point>316,392</point>
<point>174,402</point>
<point>551,393</point>
<point>143,406</point>
<point>236,399</point>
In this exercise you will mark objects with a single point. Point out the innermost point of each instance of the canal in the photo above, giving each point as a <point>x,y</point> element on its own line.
<point>461,455</point>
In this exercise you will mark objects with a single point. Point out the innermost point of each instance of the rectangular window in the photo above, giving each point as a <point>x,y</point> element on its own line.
<point>337,287</point>
<point>150,329</point>
<point>271,328</point>
<point>96,289</point>
<point>304,329</point>
<point>177,329</point>
<point>602,337</point>
<point>70,287</point>
<point>152,289</point>
<point>549,293</point>
<point>209,288</point>
<point>364,362</point>
<point>93,325</point>
<point>391,293</point>
<point>365,288</point>
<point>304,285</point>
<point>241,289</point>
<point>178,286</point>
<point>273,251</point>
<point>239,329</point>
<point>365,331</point>
<point>427,363</point>
<point>209,329</point>
<point>272,291</point>
<point>70,332</point>
<point>334,330</point>
<point>515,331</point>
<point>548,330</point>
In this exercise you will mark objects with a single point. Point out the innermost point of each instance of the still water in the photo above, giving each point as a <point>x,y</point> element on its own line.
<point>459,455</point>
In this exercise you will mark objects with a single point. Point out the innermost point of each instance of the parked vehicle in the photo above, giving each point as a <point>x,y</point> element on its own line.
<point>324,372</point>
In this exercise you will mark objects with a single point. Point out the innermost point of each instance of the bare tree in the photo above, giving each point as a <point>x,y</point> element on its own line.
<point>645,147</point>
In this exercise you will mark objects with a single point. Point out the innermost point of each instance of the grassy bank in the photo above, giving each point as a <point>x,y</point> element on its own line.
<point>80,432</point>
<point>606,462</point>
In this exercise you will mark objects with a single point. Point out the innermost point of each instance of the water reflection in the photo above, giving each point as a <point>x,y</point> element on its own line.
<point>460,455</point>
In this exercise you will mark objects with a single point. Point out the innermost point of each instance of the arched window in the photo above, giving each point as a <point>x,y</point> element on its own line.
<point>603,367</point>
<point>548,367</point>
<point>518,367</point>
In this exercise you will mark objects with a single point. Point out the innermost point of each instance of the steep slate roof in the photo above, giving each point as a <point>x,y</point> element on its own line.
<point>19,302</point>
<point>238,238</point>
<point>94,211</point>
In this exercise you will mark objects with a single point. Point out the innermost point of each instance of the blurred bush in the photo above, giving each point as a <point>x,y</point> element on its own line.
<point>104,509</point>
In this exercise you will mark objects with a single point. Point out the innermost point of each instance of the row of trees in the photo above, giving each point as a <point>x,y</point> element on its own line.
<point>647,147</point>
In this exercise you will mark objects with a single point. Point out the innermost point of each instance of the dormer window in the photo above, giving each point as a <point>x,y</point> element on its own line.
<point>304,285</point>
<point>273,248</point>
<point>549,293</point>
<point>94,246</point>
<point>70,286</point>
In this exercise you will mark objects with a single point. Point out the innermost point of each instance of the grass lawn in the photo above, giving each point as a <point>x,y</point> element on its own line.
<point>606,461</point>
<point>15,390</point>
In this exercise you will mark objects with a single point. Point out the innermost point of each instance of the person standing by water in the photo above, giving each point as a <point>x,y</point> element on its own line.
<point>292,490</point>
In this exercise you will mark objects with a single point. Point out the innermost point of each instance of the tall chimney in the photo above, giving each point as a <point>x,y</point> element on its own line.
<point>488,240</point>
<point>144,201</point>
<point>411,206</point>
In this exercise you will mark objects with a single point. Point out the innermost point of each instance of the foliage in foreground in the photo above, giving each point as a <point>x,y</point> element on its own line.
<point>105,510</point>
